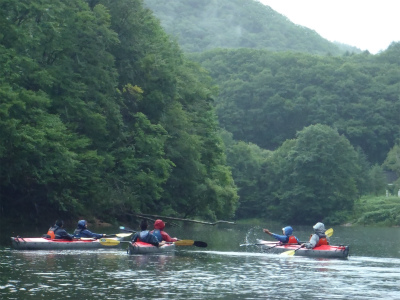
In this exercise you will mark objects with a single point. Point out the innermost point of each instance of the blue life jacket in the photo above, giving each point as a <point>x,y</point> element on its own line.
<point>157,234</point>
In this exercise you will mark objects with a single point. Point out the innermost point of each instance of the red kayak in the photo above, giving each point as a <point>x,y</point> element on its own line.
<point>323,251</point>
<point>144,248</point>
<point>20,243</point>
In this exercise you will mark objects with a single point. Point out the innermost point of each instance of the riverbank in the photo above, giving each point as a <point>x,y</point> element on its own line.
<point>380,211</point>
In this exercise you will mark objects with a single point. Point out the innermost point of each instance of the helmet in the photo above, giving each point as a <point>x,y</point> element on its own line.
<point>319,227</point>
<point>159,224</point>
<point>60,223</point>
<point>82,224</point>
<point>288,230</point>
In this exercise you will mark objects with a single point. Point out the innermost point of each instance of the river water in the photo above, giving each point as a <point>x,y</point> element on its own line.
<point>223,270</point>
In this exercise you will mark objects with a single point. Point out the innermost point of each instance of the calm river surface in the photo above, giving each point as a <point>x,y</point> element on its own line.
<point>223,270</point>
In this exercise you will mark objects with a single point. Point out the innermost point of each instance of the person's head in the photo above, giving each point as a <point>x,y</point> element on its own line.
<point>82,224</point>
<point>159,224</point>
<point>319,227</point>
<point>143,225</point>
<point>288,230</point>
<point>60,223</point>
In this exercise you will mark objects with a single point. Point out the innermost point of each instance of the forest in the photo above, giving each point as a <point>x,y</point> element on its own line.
<point>105,114</point>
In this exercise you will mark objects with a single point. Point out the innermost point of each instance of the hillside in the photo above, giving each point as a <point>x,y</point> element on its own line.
<point>208,24</point>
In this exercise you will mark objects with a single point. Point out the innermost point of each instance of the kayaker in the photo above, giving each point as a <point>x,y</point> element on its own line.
<point>145,236</point>
<point>161,235</point>
<point>318,238</point>
<point>82,231</point>
<point>287,236</point>
<point>58,232</point>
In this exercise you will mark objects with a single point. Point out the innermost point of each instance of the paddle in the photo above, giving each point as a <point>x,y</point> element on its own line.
<point>127,229</point>
<point>119,235</point>
<point>111,242</point>
<point>328,233</point>
<point>191,243</point>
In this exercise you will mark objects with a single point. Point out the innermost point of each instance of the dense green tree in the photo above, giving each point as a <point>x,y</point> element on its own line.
<point>91,103</point>
<point>318,177</point>
<point>266,97</point>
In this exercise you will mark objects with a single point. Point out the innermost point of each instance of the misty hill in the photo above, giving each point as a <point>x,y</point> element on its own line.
<point>208,24</point>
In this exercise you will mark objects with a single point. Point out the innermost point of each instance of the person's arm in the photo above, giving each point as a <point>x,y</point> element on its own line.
<point>167,238</point>
<point>135,237</point>
<point>281,238</point>
<point>313,241</point>
<point>64,235</point>
<point>89,234</point>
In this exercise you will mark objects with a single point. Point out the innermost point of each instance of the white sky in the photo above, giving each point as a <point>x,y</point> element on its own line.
<point>366,24</point>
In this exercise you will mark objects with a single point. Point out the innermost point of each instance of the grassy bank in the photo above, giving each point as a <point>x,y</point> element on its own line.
<point>382,211</point>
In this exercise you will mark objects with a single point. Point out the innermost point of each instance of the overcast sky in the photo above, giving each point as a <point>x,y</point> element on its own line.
<point>366,24</point>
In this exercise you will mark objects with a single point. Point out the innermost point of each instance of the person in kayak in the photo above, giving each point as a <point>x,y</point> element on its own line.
<point>318,238</point>
<point>82,231</point>
<point>161,235</point>
<point>57,232</point>
<point>286,238</point>
<point>145,236</point>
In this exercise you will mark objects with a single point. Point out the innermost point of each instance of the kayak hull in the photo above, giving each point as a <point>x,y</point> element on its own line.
<point>323,251</point>
<point>19,243</point>
<point>145,248</point>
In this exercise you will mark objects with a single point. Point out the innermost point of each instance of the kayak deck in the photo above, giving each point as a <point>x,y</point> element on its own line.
<point>20,243</point>
<point>323,251</point>
<point>145,248</point>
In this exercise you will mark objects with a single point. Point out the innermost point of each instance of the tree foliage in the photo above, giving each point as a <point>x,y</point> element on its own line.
<point>100,113</point>
<point>266,97</point>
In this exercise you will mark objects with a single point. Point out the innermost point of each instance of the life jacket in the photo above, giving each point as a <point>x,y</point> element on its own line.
<point>157,234</point>
<point>292,240</point>
<point>321,241</point>
<point>51,232</point>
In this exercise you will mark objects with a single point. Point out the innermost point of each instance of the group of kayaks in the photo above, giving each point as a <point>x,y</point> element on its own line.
<point>19,243</point>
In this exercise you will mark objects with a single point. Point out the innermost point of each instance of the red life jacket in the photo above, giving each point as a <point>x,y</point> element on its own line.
<point>51,234</point>
<point>322,241</point>
<point>292,240</point>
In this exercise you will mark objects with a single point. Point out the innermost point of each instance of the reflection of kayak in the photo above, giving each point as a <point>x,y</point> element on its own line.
<point>49,244</point>
<point>143,248</point>
<point>323,251</point>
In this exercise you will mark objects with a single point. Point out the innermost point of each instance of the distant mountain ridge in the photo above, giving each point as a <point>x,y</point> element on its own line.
<point>201,25</point>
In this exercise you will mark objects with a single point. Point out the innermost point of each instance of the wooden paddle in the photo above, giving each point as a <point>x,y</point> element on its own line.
<point>328,233</point>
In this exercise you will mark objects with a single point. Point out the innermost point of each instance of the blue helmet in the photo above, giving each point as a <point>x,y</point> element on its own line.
<point>82,224</point>
<point>288,230</point>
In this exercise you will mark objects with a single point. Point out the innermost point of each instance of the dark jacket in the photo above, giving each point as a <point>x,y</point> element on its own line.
<point>81,231</point>
<point>60,233</point>
<point>146,237</point>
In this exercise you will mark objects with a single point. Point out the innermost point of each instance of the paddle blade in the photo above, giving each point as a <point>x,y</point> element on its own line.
<point>200,244</point>
<point>290,252</point>
<point>329,232</point>
<point>109,242</point>
<point>127,229</point>
<point>123,234</point>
